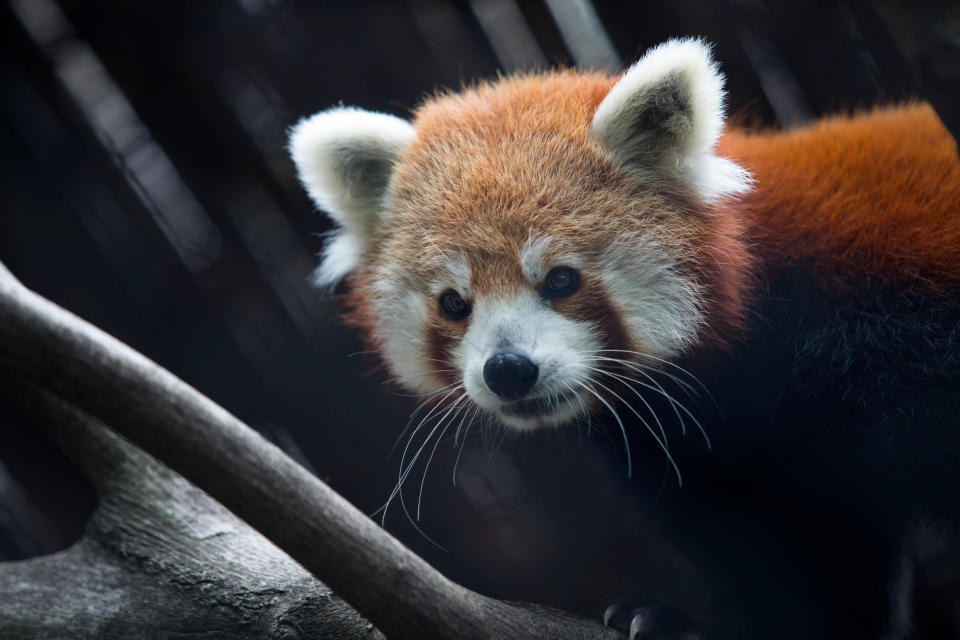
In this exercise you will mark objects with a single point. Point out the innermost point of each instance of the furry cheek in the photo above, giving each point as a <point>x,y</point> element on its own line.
<point>659,305</point>
<point>401,320</point>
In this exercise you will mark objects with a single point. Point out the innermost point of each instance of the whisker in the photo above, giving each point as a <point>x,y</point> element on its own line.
<point>673,401</point>
<point>663,432</point>
<point>586,412</point>
<point>426,468</point>
<point>662,444</point>
<point>640,366</point>
<point>360,353</point>
<point>456,434</point>
<point>406,511</point>
<point>440,390</point>
<point>675,404</point>
<point>583,408</point>
<point>684,408</point>
<point>683,384</point>
<point>413,415</point>
<point>687,388</point>
<point>424,395</point>
<point>404,472</point>
<point>666,362</point>
<point>463,442</point>
<point>623,429</point>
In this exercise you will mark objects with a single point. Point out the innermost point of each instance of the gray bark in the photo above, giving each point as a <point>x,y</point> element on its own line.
<point>395,589</point>
<point>159,559</point>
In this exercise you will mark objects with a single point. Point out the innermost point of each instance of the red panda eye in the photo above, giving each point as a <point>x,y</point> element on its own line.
<point>453,305</point>
<point>560,282</point>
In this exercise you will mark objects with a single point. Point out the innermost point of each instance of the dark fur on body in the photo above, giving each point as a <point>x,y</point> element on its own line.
<point>836,441</point>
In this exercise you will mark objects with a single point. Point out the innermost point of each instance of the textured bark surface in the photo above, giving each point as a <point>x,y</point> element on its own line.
<point>160,559</point>
<point>399,592</point>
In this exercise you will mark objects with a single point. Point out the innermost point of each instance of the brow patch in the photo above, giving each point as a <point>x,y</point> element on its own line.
<point>454,271</point>
<point>532,257</point>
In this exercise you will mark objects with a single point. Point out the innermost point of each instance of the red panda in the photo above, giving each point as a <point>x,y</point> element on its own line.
<point>535,248</point>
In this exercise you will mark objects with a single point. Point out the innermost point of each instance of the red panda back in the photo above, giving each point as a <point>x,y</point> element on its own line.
<point>875,195</point>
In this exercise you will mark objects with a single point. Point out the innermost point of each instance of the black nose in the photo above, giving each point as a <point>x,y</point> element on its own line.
<point>509,374</point>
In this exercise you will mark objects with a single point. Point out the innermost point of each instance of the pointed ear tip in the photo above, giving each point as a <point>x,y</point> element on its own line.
<point>345,122</point>
<point>693,53</point>
<point>693,45</point>
<point>690,56</point>
<point>314,126</point>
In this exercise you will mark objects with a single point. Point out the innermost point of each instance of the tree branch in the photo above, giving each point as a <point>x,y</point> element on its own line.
<point>399,592</point>
<point>159,558</point>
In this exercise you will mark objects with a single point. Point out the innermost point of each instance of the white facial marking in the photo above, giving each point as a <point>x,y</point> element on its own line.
<point>532,257</point>
<point>660,307</point>
<point>534,261</point>
<point>402,314</point>
<point>453,273</point>
<point>558,345</point>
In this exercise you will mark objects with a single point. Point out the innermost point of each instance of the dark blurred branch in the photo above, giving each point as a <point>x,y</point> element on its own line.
<point>386,582</point>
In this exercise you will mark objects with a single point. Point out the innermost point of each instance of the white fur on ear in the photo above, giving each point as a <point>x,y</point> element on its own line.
<point>664,116</point>
<point>345,157</point>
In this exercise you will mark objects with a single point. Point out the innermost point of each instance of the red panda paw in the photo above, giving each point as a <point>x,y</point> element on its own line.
<point>653,620</point>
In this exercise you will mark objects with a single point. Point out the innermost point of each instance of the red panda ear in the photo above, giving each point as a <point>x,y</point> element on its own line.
<point>664,115</point>
<point>345,157</point>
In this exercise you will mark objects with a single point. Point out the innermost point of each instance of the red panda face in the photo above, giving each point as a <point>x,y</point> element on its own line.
<point>517,280</point>
<point>520,237</point>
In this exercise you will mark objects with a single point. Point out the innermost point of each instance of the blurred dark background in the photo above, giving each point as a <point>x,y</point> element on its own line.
<point>145,186</point>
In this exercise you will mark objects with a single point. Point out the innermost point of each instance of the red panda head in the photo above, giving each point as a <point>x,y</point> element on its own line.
<point>518,237</point>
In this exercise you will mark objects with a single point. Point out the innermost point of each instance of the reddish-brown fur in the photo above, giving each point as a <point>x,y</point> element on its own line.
<point>493,163</point>
<point>875,196</point>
